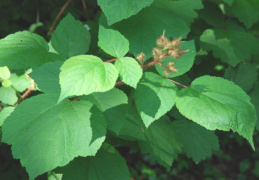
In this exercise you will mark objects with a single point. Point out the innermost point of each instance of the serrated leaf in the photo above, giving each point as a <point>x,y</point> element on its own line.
<point>108,164</point>
<point>48,134</point>
<point>158,139</point>
<point>70,38</point>
<point>231,46</point>
<point>8,95</point>
<point>154,97</point>
<point>255,100</point>
<point>112,42</point>
<point>246,11</point>
<point>25,50</point>
<point>4,72</point>
<point>182,64</point>
<point>47,77</point>
<point>174,17</point>
<point>4,113</point>
<point>113,104</point>
<point>198,142</point>
<point>129,70</point>
<point>86,74</point>
<point>244,75</point>
<point>118,10</point>
<point>20,83</point>
<point>216,103</point>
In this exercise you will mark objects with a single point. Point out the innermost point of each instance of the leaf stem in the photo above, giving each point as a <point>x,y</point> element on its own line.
<point>178,83</point>
<point>85,10</point>
<point>111,60</point>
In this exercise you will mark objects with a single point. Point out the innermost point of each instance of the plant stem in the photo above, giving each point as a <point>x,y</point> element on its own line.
<point>85,10</point>
<point>111,60</point>
<point>178,83</point>
<point>152,63</point>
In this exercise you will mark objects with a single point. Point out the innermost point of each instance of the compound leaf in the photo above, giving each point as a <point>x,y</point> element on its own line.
<point>25,50</point>
<point>129,70</point>
<point>48,134</point>
<point>85,74</point>
<point>113,104</point>
<point>70,38</point>
<point>108,164</point>
<point>118,10</point>
<point>216,103</point>
<point>244,75</point>
<point>198,142</point>
<point>231,46</point>
<point>182,64</point>
<point>112,42</point>
<point>154,97</point>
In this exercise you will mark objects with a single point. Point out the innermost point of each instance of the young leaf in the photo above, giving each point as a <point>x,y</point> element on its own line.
<point>4,113</point>
<point>113,104</point>
<point>20,83</point>
<point>4,73</point>
<point>245,75</point>
<point>48,134</point>
<point>8,95</point>
<point>112,42</point>
<point>198,142</point>
<point>154,97</point>
<point>118,10</point>
<point>70,38</point>
<point>25,50</point>
<point>47,77</point>
<point>246,11</point>
<point>108,164</point>
<point>86,74</point>
<point>129,70</point>
<point>216,103</point>
<point>174,17</point>
<point>232,47</point>
<point>182,64</point>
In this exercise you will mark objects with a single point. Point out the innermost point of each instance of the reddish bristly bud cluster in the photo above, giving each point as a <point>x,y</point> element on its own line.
<point>168,48</point>
<point>140,57</point>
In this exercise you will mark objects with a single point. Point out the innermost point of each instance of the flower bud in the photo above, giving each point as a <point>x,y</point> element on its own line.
<point>182,52</point>
<point>162,41</point>
<point>140,57</point>
<point>174,53</point>
<point>171,67</point>
<point>157,53</point>
<point>176,43</point>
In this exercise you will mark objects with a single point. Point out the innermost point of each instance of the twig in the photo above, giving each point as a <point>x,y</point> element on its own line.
<point>178,83</point>
<point>111,60</point>
<point>152,63</point>
<point>58,16</point>
<point>85,10</point>
<point>119,83</point>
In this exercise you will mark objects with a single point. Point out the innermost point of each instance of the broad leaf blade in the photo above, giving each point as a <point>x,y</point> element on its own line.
<point>70,38</point>
<point>25,50</point>
<point>108,164</point>
<point>112,42</point>
<point>8,95</point>
<point>129,70</point>
<point>154,97</point>
<point>48,134</point>
<point>255,100</point>
<point>4,113</point>
<point>118,10</point>
<point>198,142</point>
<point>86,74</point>
<point>216,103</point>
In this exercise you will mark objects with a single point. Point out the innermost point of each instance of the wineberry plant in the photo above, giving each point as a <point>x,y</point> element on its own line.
<point>157,76</point>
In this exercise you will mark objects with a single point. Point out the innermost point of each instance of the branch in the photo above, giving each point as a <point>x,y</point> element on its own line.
<point>178,83</point>
<point>111,60</point>
<point>152,63</point>
<point>58,16</point>
<point>85,10</point>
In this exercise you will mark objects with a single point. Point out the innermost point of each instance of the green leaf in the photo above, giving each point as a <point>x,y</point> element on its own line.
<point>25,50</point>
<point>47,77</point>
<point>108,164</point>
<point>112,42</point>
<point>129,70</point>
<point>198,142</point>
<point>175,17</point>
<point>182,64</point>
<point>4,113</point>
<point>154,97</point>
<point>4,72</point>
<point>229,2</point>
<point>70,38</point>
<point>216,103</point>
<point>8,95</point>
<point>231,47</point>
<point>244,75</point>
<point>118,10</point>
<point>113,104</point>
<point>246,11</point>
<point>6,83</point>
<point>20,83</point>
<point>255,100</point>
<point>86,74</point>
<point>48,134</point>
